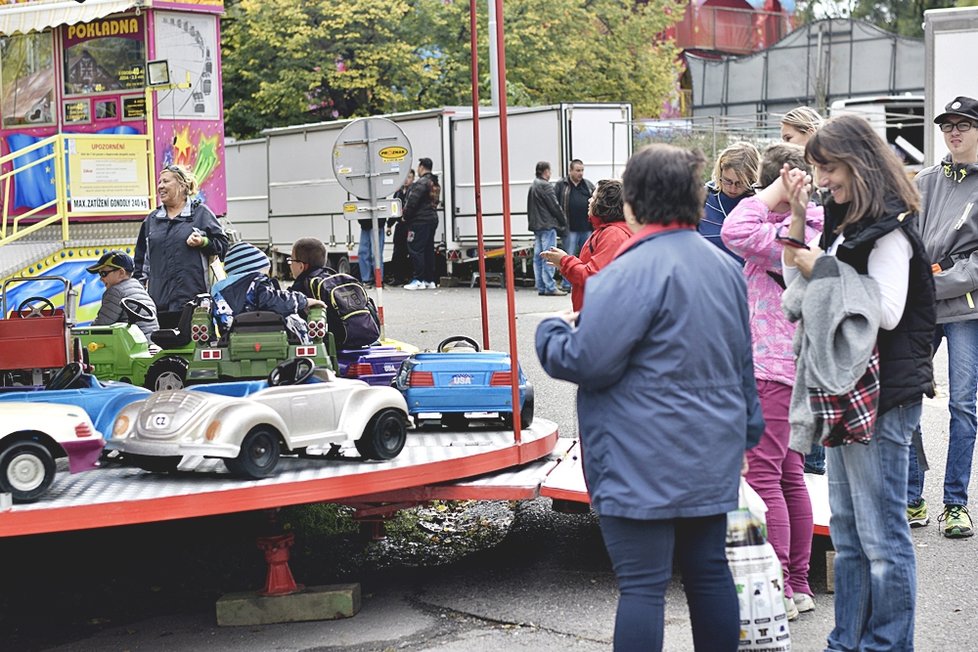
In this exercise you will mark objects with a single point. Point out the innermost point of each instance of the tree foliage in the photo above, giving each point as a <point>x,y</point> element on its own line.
<point>904,17</point>
<point>288,62</point>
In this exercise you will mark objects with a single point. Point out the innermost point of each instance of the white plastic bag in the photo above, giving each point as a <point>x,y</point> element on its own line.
<point>757,576</point>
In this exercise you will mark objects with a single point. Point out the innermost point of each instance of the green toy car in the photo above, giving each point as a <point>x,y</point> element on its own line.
<point>192,352</point>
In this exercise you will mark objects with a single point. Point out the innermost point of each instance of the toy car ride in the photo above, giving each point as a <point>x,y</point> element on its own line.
<point>193,352</point>
<point>248,424</point>
<point>33,436</point>
<point>461,379</point>
<point>375,365</point>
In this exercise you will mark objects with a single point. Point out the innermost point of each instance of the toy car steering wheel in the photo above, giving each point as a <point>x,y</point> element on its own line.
<point>65,378</point>
<point>454,342</point>
<point>291,372</point>
<point>35,307</point>
<point>137,310</point>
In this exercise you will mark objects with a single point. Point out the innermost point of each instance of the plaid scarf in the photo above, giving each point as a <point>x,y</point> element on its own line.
<point>850,417</point>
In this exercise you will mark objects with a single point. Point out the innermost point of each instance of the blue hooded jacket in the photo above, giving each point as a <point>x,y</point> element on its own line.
<point>718,206</point>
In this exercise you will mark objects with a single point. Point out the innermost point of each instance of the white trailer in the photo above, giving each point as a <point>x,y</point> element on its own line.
<point>281,187</point>
<point>950,40</point>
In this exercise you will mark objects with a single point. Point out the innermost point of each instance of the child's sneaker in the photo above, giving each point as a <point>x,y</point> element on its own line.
<point>790,610</point>
<point>803,602</point>
<point>957,522</point>
<point>917,514</point>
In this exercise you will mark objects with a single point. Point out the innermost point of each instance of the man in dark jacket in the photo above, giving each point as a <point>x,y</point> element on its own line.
<point>545,219</point>
<point>422,219</point>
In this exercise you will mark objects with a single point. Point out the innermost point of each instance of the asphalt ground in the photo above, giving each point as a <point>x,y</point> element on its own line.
<point>546,585</point>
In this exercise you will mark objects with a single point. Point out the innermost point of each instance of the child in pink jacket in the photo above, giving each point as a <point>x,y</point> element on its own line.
<point>775,472</point>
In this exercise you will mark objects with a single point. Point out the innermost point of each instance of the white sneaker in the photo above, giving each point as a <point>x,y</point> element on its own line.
<point>430,285</point>
<point>790,610</point>
<point>804,602</point>
<point>415,285</point>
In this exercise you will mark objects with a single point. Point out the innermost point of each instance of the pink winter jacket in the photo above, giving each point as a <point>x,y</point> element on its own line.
<point>749,231</point>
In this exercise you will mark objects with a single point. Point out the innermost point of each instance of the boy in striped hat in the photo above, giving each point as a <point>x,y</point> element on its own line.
<point>248,288</point>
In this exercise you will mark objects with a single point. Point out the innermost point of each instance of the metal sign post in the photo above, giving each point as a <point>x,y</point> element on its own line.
<point>371,159</point>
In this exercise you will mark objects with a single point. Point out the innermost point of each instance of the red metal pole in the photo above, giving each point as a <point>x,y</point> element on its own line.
<point>477,173</point>
<point>507,227</point>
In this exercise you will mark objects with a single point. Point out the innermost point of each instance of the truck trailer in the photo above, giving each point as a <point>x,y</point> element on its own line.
<point>281,186</point>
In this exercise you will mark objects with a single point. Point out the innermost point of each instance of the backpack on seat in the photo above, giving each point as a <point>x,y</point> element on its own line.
<point>351,315</point>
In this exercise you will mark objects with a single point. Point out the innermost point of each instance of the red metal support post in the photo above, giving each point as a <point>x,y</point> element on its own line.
<point>477,171</point>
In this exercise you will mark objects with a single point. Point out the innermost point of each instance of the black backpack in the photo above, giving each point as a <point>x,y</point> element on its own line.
<point>351,315</point>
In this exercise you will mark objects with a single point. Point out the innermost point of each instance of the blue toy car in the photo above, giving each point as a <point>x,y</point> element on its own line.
<point>375,365</point>
<point>459,378</point>
<point>102,401</point>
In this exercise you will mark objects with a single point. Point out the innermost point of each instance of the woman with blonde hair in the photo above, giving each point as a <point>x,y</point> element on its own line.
<point>734,175</point>
<point>800,124</point>
<point>175,244</point>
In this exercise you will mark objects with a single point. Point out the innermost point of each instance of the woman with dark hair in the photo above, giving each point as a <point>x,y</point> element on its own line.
<point>607,219</point>
<point>870,224</point>
<point>665,408</point>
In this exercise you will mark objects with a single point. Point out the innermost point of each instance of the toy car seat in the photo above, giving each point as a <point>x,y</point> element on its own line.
<point>175,338</point>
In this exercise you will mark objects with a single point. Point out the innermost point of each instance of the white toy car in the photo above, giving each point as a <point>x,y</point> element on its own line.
<point>249,423</point>
<point>33,436</point>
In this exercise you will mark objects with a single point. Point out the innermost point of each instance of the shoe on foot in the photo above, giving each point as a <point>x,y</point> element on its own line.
<point>917,514</point>
<point>957,522</point>
<point>430,285</point>
<point>553,293</point>
<point>416,284</point>
<point>790,610</point>
<point>803,602</point>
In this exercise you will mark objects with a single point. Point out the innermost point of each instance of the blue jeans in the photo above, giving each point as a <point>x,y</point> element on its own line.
<point>421,247</point>
<point>962,371</point>
<point>573,242</point>
<point>642,555</point>
<point>875,567</point>
<point>542,272</point>
<point>365,254</point>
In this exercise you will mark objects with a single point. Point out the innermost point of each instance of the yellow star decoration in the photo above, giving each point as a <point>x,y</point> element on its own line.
<point>182,145</point>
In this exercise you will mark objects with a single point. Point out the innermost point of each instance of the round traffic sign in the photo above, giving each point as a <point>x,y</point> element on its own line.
<point>371,158</point>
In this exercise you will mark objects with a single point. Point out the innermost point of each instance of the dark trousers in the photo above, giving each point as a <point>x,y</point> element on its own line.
<point>400,268</point>
<point>642,555</point>
<point>421,246</point>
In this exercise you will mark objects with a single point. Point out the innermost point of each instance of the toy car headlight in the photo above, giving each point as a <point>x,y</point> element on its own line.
<point>121,426</point>
<point>212,430</point>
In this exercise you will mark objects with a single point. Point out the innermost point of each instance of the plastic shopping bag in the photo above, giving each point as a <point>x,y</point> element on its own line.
<point>757,575</point>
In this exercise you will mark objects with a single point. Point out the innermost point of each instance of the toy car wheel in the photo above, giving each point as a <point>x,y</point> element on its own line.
<point>457,342</point>
<point>454,420</point>
<point>136,310</point>
<point>526,414</point>
<point>154,464</point>
<point>35,307</point>
<point>65,378</point>
<point>167,373</point>
<point>26,470</point>
<point>384,436</point>
<point>258,456</point>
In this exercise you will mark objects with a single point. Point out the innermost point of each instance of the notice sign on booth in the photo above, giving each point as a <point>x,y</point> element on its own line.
<point>108,174</point>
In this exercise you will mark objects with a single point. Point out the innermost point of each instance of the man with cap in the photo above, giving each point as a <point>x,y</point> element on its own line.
<point>949,229</point>
<point>115,270</point>
<point>248,287</point>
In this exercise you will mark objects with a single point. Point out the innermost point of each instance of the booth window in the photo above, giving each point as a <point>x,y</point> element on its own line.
<point>27,79</point>
<point>106,55</point>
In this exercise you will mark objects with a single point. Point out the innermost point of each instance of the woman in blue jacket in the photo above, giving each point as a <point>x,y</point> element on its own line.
<point>666,408</point>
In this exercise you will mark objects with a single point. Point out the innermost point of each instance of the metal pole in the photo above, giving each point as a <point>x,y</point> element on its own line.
<point>477,173</point>
<point>507,227</point>
<point>495,38</point>
<point>374,236</point>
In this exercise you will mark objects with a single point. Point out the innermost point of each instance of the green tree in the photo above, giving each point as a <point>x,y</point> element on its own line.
<point>904,17</point>
<point>288,62</point>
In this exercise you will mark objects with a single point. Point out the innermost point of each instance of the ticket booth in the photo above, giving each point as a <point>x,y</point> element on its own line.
<point>144,75</point>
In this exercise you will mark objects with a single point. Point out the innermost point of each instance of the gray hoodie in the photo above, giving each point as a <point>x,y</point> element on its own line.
<point>949,229</point>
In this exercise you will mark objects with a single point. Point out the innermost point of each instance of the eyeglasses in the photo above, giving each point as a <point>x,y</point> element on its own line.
<point>727,183</point>
<point>175,170</point>
<point>289,260</point>
<point>963,126</point>
<point>102,273</point>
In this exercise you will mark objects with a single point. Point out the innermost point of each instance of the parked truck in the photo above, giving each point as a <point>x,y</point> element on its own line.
<point>281,187</point>
<point>950,39</point>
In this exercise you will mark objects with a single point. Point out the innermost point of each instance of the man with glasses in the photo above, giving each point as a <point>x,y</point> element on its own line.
<point>949,228</point>
<point>115,270</point>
